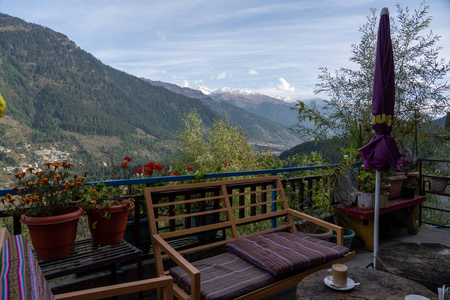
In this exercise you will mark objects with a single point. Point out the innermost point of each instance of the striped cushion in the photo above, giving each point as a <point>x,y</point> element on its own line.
<point>225,276</point>
<point>283,252</point>
<point>20,275</point>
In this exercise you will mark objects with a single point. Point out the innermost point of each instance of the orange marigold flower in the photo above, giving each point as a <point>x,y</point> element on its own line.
<point>21,190</point>
<point>57,176</point>
<point>35,198</point>
<point>64,191</point>
<point>85,172</point>
<point>8,195</point>
<point>93,201</point>
<point>31,169</point>
<point>11,200</point>
<point>18,175</point>
<point>26,199</point>
<point>55,187</point>
<point>48,164</point>
<point>15,187</point>
<point>44,181</point>
<point>30,184</point>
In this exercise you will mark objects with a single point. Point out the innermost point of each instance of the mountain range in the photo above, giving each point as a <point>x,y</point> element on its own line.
<point>60,96</point>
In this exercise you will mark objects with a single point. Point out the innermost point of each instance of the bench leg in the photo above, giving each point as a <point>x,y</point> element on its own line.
<point>364,229</point>
<point>408,217</point>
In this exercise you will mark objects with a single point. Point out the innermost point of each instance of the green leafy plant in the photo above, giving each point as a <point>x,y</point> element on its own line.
<point>97,197</point>
<point>366,181</point>
<point>44,193</point>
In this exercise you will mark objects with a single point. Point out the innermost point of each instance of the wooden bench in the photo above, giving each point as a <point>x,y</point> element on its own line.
<point>402,210</point>
<point>245,209</point>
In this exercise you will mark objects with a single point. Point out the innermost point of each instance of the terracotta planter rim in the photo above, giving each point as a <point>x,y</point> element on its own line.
<point>112,208</point>
<point>398,177</point>
<point>36,221</point>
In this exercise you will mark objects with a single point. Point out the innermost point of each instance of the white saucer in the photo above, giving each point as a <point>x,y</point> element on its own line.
<point>350,284</point>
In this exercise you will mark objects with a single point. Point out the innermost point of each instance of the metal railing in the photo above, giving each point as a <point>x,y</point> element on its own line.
<point>301,187</point>
<point>426,187</point>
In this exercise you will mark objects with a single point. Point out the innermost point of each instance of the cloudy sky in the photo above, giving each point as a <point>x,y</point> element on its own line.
<point>272,47</point>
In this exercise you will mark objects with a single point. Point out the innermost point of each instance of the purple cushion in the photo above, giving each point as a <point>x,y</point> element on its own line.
<point>282,252</point>
<point>225,276</point>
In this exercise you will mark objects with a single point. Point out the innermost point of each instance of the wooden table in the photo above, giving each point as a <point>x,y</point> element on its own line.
<point>426,263</point>
<point>400,210</point>
<point>87,257</point>
<point>374,285</point>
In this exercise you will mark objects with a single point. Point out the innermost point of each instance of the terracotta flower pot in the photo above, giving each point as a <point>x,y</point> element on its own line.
<point>396,186</point>
<point>53,237</point>
<point>108,231</point>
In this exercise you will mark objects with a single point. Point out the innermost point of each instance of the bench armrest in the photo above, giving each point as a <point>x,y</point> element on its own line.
<point>164,282</point>
<point>181,262</point>
<point>338,229</point>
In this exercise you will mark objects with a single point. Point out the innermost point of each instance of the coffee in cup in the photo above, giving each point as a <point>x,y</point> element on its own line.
<point>338,274</point>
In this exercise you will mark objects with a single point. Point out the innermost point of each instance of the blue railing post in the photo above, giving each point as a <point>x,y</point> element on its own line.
<point>274,205</point>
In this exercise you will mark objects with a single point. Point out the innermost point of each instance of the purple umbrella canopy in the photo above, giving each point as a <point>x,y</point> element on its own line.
<point>382,152</point>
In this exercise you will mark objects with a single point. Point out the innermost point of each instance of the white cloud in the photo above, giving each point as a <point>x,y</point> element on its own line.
<point>161,35</point>
<point>285,86</point>
<point>185,83</point>
<point>252,72</point>
<point>222,75</point>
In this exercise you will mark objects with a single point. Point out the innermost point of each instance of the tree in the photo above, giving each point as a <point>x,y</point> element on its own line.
<point>419,76</point>
<point>224,147</point>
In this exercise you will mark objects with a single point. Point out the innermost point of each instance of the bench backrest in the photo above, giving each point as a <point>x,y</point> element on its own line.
<point>236,207</point>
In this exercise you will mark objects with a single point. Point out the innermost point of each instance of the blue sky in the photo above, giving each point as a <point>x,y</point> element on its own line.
<point>272,47</point>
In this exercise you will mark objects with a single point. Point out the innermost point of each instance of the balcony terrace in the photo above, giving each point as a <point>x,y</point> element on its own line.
<point>301,192</point>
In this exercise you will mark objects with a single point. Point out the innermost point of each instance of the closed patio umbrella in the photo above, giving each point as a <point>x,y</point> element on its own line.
<point>381,152</point>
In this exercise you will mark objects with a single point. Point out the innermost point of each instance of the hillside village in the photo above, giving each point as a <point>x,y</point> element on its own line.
<point>35,158</point>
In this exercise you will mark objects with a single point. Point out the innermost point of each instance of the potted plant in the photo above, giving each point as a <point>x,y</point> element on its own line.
<point>439,182</point>
<point>409,191</point>
<point>107,214</point>
<point>366,189</point>
<point>320,208</point>
<point>44,202</point>
<point>343,220</point>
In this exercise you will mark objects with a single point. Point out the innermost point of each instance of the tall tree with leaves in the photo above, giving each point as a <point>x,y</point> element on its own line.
<point>421,91</point>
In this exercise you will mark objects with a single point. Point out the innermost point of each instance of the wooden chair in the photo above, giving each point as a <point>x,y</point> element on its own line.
<point>162,283</point>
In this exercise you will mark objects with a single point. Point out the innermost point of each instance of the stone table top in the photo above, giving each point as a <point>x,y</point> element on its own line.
<point>425,263</point>
<point>374,285</point>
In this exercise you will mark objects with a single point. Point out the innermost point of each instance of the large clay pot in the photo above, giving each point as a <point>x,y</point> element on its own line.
<point>108,231</point>
<point>53,237</point>
<point>396,186</point>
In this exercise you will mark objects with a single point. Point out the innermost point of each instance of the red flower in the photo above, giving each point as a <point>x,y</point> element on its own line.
<point>226,164</point>
<point>148,172</point>
<point>128,159</point>
<point>139,171</point>
<point>189,168</point>
<point>124,165</point>
<point>158,167</point>
<point>150,165</point>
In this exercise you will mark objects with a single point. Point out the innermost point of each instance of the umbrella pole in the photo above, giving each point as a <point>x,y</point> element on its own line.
<point>377,217</point>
